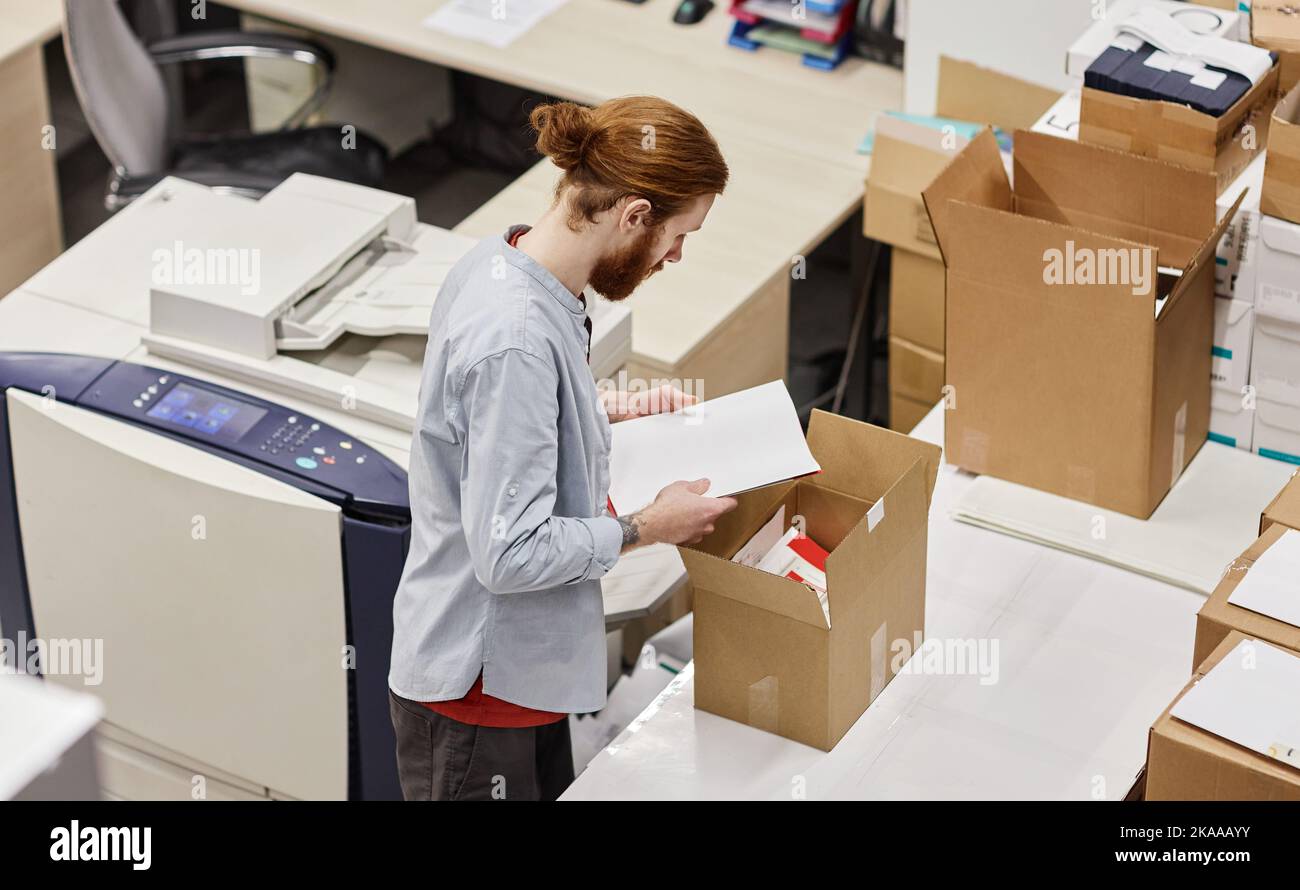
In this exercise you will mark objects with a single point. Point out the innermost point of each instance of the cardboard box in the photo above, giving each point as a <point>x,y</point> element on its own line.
<point>1077,389</point>
<point>1234,325</point>
<point>1231,422</point>
<point>1185,762</point>
<point>1277,430</point>
<point>1236,259</point>
<point>1218,617</point>
<point>1175,133</point>
<point>915,372</point>
<point>1273,25</point>
<point>916,299</point>
<point>1275,360</point>
<point>763,653</point>
<point>905,413</point>
<point>1281,192</point>
<point>1277,290</point>
<point>906,155</point>
<point>1285,508</point>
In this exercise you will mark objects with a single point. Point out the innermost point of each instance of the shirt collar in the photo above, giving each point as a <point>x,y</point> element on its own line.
<point>577,304</point>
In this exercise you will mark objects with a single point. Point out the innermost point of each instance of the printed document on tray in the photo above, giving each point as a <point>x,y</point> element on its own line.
<point>494,22</point>
<point>1251,698</point>
<point>1272,586</point>
<point>738,442</point>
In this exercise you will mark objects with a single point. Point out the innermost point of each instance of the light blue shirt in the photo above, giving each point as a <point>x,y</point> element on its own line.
<point>509,479</point>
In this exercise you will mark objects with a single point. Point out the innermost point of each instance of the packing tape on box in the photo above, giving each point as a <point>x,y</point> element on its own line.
<point>875,514</point>
<point>765,704</point>
<point>1080,482</point>
<point>1106,111</point>
<point>1180,443</point>
<point>879,651</point>
<point>974,450</point>
<point>1285,753</point>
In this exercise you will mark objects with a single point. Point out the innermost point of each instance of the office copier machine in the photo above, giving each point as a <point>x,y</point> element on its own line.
<point>205,412</point>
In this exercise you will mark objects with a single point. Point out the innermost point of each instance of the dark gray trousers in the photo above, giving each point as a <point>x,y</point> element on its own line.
<point>439,758</point>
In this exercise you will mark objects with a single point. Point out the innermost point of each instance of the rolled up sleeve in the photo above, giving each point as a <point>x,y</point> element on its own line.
<point>510,407</point>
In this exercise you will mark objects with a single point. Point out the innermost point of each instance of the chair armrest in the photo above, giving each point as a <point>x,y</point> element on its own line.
<point>208,45</point>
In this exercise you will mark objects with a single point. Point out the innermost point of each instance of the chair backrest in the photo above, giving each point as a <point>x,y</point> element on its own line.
<point>121,90</point>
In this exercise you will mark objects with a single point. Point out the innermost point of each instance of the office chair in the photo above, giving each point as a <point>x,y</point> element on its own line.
<point>120,85</point>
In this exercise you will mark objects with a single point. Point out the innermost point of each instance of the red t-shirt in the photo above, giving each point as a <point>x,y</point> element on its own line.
<point>479,709</point>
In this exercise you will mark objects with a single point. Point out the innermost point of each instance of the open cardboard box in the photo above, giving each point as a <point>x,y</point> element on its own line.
<point>764,654</point>
<point>1177,133</point>
<point>906,155</point>
<point>1094,391</point>
<point>1218,617</point>
<point>1185,762</point>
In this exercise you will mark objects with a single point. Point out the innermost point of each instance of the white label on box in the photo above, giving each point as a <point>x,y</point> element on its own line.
<point>875,514</point>
<point>1279,302</point>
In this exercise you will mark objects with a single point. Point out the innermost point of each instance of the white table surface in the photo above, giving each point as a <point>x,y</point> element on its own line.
<point>1090,655</point>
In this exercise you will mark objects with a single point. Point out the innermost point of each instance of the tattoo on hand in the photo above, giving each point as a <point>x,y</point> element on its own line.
<point>631,529</point>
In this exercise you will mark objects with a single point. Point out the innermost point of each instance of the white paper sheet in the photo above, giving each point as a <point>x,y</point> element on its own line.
<point>495,22</point>
<point>1272,586</point>
<point>738,442</point>
<point>1251,698</point>
<point>763,541</point>
<point>1203,524</point>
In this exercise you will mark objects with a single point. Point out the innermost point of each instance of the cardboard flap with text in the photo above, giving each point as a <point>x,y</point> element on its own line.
<point>1114,193</point>
<point>975,176</point>
<point>864,461</point>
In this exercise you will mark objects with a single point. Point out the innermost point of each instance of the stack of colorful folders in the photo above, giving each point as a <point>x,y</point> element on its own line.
<point>820,30</point>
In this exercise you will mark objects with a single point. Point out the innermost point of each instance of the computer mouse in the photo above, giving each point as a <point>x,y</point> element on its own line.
<point>691,11</point>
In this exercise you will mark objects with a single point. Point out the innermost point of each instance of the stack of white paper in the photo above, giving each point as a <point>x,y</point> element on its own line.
<point>494,22</point>
<point>738,442</point>
<point>1251,698</point>
<point>1272,586</point>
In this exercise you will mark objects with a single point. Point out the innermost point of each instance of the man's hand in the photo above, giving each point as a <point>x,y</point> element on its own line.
<point>680,514</point>
<point>664,399</point>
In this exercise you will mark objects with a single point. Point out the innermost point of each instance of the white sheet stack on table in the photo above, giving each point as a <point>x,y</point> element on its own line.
<point>1088,655</point>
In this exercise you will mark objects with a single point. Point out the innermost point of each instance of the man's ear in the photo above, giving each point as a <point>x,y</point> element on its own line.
<point>636,211</point>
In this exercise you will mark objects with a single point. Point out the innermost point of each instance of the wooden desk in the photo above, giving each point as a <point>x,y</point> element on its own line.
<point>789,134</point>
<point>31,233</point>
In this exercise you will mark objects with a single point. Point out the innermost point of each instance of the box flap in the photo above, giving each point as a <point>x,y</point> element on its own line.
<point>971,92</point>
<point>1281,193</point>
<point>975,176</point>
<point>1114,193</point>
<point>879,536</point>
<point>1274,25</point>
<point>864,460</point>
<point>1204,255</point>
<point>762,590</point>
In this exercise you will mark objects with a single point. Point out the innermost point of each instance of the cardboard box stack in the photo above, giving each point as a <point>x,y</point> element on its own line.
<point>765,652</point>
<point>907,154</point>
<point>1219,617</point>
<point>1222,738</point>
<point>1074,367</point>
<point>1275,359</point>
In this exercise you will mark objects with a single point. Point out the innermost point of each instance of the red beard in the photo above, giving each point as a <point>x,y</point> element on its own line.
<point>619,273</point>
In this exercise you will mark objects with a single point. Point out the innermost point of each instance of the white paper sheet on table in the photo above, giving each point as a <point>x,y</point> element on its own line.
<point>1203,524</point>
<point>1272,586</point>
<point>495,22</point>
<point>738,442</point>
<point>1251,698</point>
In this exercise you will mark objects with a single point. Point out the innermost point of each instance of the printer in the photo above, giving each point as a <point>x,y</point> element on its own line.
<point>206,408</point>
